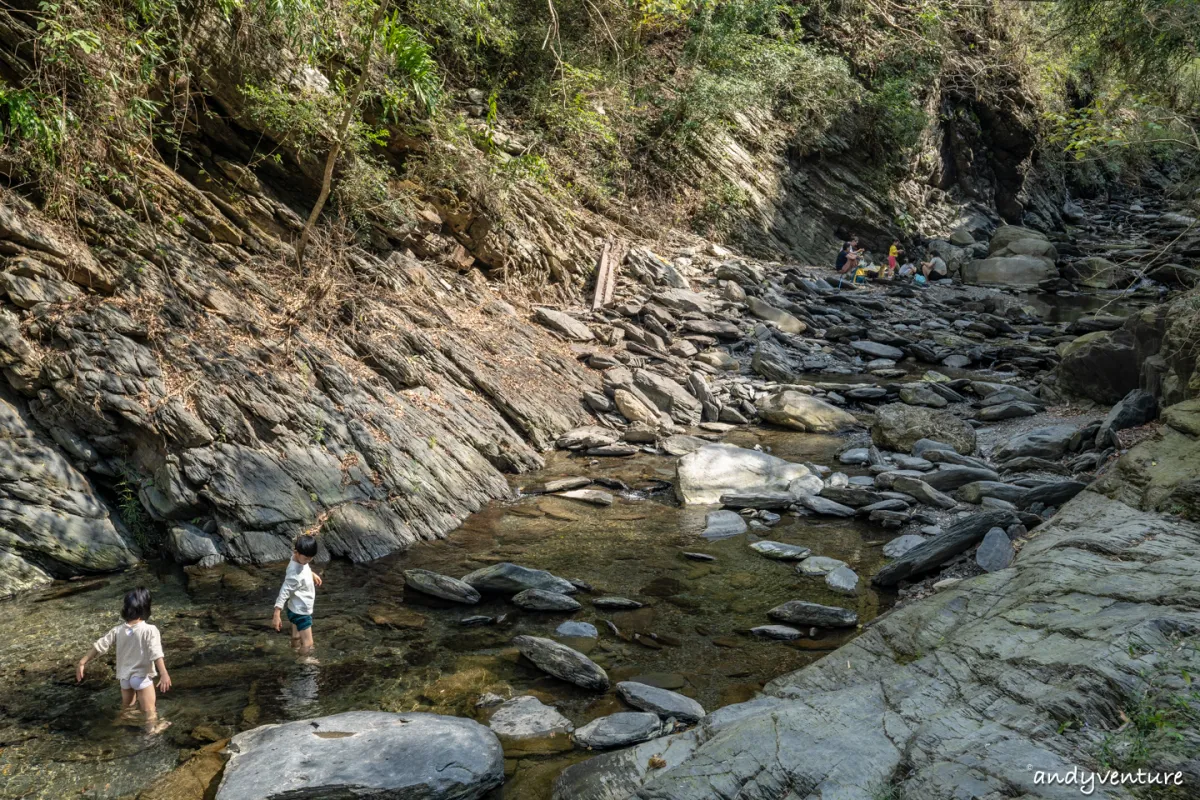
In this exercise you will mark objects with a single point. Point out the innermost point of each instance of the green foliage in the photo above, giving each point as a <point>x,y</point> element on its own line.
<point>415,73</point>
<point>24,119</point>
<point>137,521</point>
<point>894,119</point>
<point>1141,41</point>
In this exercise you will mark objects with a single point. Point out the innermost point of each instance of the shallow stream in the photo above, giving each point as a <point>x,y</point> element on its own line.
<point>381,647</point>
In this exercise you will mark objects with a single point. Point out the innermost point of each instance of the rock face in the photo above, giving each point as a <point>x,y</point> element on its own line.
<point>662,702</point>
<point>52,522</point>
<point>364,754</point>
<point>1073,596</point>
<point>798,411</point>
<point>708,473</point>
<point>562,662</point>
<point>898,427</point>
<point>506,578</point>
<point>384,434</point>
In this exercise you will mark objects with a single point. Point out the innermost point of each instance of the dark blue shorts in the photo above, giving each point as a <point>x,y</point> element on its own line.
<point>302,621</point>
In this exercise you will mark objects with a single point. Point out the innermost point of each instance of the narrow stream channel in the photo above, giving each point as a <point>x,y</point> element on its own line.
<point>381,647</point>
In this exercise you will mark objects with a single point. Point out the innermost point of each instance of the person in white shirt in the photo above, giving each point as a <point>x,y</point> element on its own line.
<point>139,659</point>
<point>298,594</point>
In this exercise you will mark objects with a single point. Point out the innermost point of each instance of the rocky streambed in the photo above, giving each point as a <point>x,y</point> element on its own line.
<point>771,463</point>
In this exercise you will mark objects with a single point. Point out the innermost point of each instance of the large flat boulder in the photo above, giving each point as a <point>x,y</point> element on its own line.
<point>562,662</point>
<point>899,426</point>
<point>364,754</point>
<point>802,412</point>
<point>508,578</point>
<point>704,476</point>
<point>785,321</point>
<point>564,324</point>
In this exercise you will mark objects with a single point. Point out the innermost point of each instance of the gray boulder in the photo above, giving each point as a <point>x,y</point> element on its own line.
<point>877,350</point>
<point>902,544</point>
<point>780,551</point>
<point>1049,443</point>
<point>958,537</point>
<point>364,754</point>
<point>898,427</point>
<point>819,566</point>
<point>562,662</point>
<point>824,506</point>
<point>619,730</point>
<point>948,477</point>
<point>507,578</point>
<point>995,551</point>
<point>1019,270</point>
<point>801,412</point>
<point>783,633</point>
<point>443,586</point>
<point>843,580</point>
<point>723,524</point>
<point>800,612</point>
<point>976,491</point>
<point>703,476</point>
<point>662,702</point>
<point>785,321</point>
<point>565,324</point>
<point>1136,408</point>
<point>526,725</point>
<point>923,492</point>
<point>542,600</point>
<point>188,545</point>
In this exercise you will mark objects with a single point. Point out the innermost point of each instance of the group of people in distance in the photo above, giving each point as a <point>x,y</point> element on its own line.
<point>850,262</point>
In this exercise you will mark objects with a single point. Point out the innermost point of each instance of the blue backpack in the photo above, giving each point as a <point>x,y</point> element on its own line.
<point>919,280</point>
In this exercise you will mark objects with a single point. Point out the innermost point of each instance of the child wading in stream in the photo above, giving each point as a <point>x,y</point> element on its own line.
<point>298,594</point>
<point>139,659</point>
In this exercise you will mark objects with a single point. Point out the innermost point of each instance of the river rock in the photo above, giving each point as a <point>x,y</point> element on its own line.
<point>1136,408</point>
<point>616,603</point>
<point>663,702</point>
<point>824,506</point>
<point>593,497</point>
<point>526,725</point>
<point>783,633</point>
<point>541,600</point>
<point>799,411</point>
<point>958,537</point>
<point>188,545</point>
<point>1020,271</point>
<point>364,753</point>
<point>507,578</point>
<point>800,612</point>
<point>819,566</point>
<point>443,586</point>
<point>574,629</point>
<point>669,396</point>
<point>851,495</point>
<point>948,477</point>
<point>723,524</point>
<point>923,492</point>
<point>855,455</point>
<point>703,476</point>
<point>586,436</point>
<point>565,324</point>
<point>995,551</point>
<point>1050,443</point>
<point>619,730</point>
<point>843,580</point>
<point>785,321</point>
<point>634,410</point>
<point>976,491</point>
<point>562,662</point>
<point>1103,366</point>
<point>780,551</point>
<point>878,350</point>
<point>1050,494</point>
<point>998,413</point>
<point>682,301</point>
<point>918,394</point>
<point>898,427</point>
<point>902,544</point>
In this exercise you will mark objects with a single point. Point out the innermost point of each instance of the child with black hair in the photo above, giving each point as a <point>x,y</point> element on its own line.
<point>298,594</point>
<point>139,659</point>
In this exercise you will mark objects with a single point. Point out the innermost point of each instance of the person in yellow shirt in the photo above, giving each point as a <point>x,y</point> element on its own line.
<point>893,255</point>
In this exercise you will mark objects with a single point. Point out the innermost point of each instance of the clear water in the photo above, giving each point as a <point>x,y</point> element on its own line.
<point>1055,309</point>
<point>381,647</point>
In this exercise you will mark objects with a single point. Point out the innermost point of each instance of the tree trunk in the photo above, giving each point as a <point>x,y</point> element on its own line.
<point>340,137</point>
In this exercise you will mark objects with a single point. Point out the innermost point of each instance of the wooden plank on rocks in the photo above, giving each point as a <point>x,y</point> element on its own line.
<point>606,273</point>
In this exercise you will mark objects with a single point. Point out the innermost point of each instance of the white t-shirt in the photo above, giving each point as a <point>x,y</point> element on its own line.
<point>299,591</point>
<point>138,647</point>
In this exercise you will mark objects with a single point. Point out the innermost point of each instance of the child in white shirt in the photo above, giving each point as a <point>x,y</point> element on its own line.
<point>139,659</point>
<point>298,594</point>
